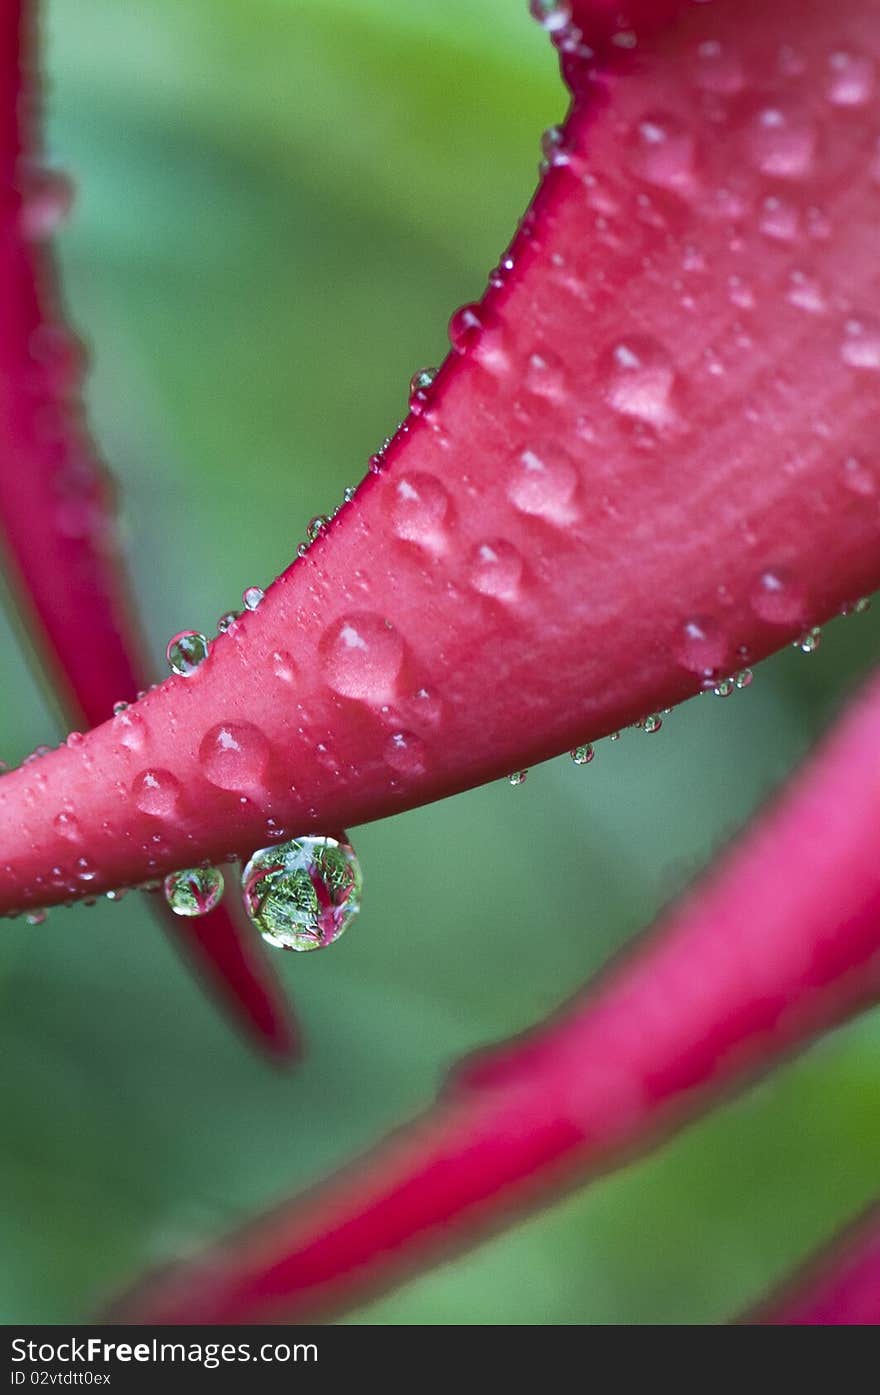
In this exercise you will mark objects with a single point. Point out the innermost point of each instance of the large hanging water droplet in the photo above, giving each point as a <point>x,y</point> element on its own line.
<point>185,652</point>
<point>194,891</point>
<point>362,655</point>
<point>252,596</point>
<point>304,894</point>
<point>582,755</point>
<point>517,777</point>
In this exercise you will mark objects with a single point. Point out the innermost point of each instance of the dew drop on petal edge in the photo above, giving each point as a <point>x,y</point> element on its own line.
<point>304,894</point>
<point>252,597</point>
<point>227,620</point>
<point>552,15</point>
<point>185,652</point>
<point>517,777</point>
<point>36,917</point>
<point>194,891</point>
<point>582,755</point>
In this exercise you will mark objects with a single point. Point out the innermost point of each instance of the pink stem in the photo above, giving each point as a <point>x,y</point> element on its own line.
<point>56,515</point>
<point>838,1288</point>
<point>780,943</point>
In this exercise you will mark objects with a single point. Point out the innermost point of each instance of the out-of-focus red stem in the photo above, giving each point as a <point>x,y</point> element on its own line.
<point>840,1287</point>
<point>56,515</point>
<point>780,943</point>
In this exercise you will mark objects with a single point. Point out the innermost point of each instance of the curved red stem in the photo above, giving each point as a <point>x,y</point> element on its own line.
<point>56,516</point>
<point>781,942</point>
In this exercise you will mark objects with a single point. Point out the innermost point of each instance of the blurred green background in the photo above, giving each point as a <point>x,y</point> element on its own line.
<point>280,201</point>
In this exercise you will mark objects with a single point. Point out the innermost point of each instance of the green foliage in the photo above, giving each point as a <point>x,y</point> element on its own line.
<point>280,203</point>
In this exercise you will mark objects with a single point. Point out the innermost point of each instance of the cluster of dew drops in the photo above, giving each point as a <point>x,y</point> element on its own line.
<point>303,894</point>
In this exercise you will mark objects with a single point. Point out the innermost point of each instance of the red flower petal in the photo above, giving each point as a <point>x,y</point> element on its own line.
<point>650,457</point>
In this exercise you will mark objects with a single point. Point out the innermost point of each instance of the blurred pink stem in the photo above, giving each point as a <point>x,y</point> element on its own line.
<point>780,943</point>
<point>56,514</point>
<point>838,1288</point>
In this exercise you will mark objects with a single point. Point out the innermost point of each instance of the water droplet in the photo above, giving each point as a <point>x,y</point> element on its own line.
<point>47,198</point>
<point>251,597</point>
<point>517,777</point>
<point>546,377</point>
<point>362,655</point>
<point>283,666</point>
<point>850,80</point>
<point>641,379</point>
<point>716,68</point>
<point>185,652</point>
<point>858,477</point>
<point>156,792</point>
<point>194,891</point>
<point>778,598</point>
<point>614,736</point>
<point>582,755</point>
<point>36,917</point>
<point>234,755</point>
<point>744,678</point>
<point>316,527</point>
<point>702,646</point>
<point>116,894</point>
<point>554,147</point>
<point>806,293</point>
<point>495,569</point>
<point>552,15</point>
<point>862,605</point>
<point>227,620</point>
<point>419,387</point>
<point>724,688</point>
<point>861,344</point>
<point>544,485</point>
<point>652,723</point>
<point>465,328</point>
<point>781,141</point>
<point>67,825</point>
<point>809,641</point>
<point>420,507</point>
<point>779,219</point>
<point>406,753</point>
<point>303,895</point>
<point>662,151</point>
<point>119,708</point>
